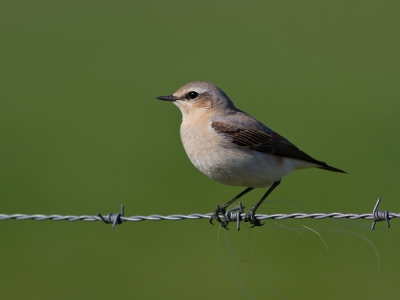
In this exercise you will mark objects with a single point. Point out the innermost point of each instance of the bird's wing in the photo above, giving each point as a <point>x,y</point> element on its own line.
<point>267,142</point>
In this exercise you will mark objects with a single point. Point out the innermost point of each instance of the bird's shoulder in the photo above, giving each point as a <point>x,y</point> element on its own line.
<point>238,119</point>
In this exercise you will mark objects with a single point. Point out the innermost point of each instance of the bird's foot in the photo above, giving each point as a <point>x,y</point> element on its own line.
<point>251,217</point>
<point>220,210</point>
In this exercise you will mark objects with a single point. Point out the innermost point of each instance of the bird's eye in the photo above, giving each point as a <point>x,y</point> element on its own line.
<point>192,95</point>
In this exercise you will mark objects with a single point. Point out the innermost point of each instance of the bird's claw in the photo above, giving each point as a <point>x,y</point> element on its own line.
<point>220,210</point>
<point>215,215</point>
<point>251,217</point>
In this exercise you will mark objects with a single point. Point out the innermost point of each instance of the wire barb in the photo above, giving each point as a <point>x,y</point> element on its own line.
<point>234,214</point>
<point>379,215</point>
<point>111,218</point>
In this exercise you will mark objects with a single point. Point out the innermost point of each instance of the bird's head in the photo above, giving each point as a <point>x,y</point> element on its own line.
<point>199,97</point>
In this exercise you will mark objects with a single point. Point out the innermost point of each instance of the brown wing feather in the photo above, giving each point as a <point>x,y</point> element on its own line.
<point>267,142</point>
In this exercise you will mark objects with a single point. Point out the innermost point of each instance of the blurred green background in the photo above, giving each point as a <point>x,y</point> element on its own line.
<point>80,133</point>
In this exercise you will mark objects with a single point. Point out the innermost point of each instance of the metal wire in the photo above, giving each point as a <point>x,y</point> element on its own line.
<point>234,215</point>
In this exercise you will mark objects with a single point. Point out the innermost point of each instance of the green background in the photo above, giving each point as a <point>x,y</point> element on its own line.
<point>80,133</point>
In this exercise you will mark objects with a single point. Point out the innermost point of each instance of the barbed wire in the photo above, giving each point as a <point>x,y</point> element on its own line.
<point>233,215</point>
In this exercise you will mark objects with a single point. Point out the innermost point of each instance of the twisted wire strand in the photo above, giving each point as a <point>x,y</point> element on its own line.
<point>195,216</point>
<point>88,218</point>
<point>233,215</point>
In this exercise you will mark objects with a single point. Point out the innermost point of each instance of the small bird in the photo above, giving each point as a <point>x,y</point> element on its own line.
<point>233,148</point>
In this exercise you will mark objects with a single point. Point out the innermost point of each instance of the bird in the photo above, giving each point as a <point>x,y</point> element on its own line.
<point>232,147</point>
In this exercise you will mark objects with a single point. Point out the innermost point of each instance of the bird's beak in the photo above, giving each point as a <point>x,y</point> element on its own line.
<point>166,98</point>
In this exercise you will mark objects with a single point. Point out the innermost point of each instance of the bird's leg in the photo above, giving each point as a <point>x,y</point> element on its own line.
<point>250,216</point>
<point>221,209</point>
